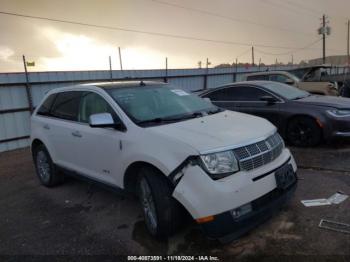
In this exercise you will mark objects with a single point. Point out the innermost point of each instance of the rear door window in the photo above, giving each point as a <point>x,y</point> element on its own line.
<point>220,95</point>
<point>66,105</point>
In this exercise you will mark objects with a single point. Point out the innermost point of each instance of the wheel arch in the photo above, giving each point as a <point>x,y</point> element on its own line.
<point>132,171</point>
<point>35,143</point>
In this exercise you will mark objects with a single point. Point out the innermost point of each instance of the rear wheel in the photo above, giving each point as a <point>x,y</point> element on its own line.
<point>304,131</point>
<point>162,213</point>
<point>45,168</point>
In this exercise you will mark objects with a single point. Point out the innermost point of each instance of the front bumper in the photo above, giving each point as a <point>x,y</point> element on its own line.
<point>225,228</point>
<point>340,127</point>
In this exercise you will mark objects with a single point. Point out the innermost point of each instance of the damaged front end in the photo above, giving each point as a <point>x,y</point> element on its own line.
<point>229,206</point>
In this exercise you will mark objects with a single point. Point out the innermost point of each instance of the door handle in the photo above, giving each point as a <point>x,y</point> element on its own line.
<point>46,126</point>
<point>76,134</point>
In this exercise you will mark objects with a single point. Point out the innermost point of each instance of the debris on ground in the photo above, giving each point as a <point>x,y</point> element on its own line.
<point>334,226</point>
<point>336,199</point>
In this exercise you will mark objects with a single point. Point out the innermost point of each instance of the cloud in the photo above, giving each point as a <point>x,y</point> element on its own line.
<point>6,53</point>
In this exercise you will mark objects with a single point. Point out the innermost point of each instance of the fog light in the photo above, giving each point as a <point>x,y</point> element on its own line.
<point>241,211</point>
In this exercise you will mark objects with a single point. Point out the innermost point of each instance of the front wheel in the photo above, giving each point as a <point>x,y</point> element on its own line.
<point>304,131</point>
<point>162,213</point>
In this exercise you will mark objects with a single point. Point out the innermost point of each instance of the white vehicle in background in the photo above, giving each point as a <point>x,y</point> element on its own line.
<point>310,79</point>
<point>179,153</point>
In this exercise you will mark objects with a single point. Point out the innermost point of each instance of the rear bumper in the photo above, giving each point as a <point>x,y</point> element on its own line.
<point>225,228</point>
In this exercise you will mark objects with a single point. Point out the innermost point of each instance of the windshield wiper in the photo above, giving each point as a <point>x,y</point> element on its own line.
<point>300,97</point>
<point>215,111</point>
<point>171,119</point>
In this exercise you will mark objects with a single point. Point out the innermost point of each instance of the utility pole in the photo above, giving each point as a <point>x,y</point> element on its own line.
<point>252,56</point>
<point>324,39</point>
<point>208,63</point>
<point>120,59</point>
<point>324,30</point>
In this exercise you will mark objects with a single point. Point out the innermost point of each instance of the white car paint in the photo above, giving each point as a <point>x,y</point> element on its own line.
<point>104,154</point>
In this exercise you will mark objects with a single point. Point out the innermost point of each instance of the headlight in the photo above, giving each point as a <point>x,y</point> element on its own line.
<point>220,164</point>
<point>339,113</point>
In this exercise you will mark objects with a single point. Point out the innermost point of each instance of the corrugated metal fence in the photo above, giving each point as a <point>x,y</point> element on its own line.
<point>18,96</point>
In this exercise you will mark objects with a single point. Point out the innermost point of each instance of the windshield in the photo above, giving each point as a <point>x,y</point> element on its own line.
<point>157,104</point>
<point>286,91</point>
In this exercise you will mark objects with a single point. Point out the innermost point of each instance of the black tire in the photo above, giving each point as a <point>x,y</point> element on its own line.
<point>46,170</point>
<point>169,214</point>
<point>304,132</point>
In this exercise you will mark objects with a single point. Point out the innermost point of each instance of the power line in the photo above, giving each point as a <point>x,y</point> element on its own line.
<point>291,52</point>
<point>144,32</point>
<point>305,8</point>
<point>243,53</point>
<point>229,17</point>
<point>317,12</point>
<point>281,6</point>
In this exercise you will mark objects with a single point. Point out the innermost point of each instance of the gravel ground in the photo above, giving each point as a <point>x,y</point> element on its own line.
<point>79,218</point>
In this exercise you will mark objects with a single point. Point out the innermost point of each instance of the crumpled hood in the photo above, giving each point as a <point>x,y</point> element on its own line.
<point>330,101</point>
<point>219,130</point>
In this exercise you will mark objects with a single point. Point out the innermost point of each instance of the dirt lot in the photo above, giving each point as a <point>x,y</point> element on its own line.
<point>78,218</point>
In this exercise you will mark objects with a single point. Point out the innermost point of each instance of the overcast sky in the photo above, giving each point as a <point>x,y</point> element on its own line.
<point>291,24</point>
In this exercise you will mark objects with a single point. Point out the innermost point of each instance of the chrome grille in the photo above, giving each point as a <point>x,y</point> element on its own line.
<point>259,154</point>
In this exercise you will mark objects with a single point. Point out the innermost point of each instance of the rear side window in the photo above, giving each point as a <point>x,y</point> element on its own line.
<point>92,103</point>
<point>237,93</point>
<point>224,94</point>
<point>257,77</point>
<point>66,105</point>
<point>46,106</point>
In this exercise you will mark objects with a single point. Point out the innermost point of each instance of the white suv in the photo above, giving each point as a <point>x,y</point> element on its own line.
<point>180,153</point>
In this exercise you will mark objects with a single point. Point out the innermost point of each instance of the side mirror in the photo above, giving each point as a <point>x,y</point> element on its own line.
<point>101,120</point>
<point>289,81</point>
<point>269,99</point>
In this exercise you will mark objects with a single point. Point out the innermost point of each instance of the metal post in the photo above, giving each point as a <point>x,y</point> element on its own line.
<point>110,67</point>
<point>120,59</point>
<point>236,70</point>
<point>348,62</point>
<point>28,91</point>
<point>166,70</point>
<point>252,56</point>
<point>206,75</point>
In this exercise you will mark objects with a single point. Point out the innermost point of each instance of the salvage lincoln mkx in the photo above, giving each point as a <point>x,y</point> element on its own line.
<point>181,154</point>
